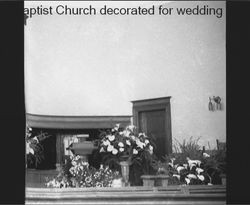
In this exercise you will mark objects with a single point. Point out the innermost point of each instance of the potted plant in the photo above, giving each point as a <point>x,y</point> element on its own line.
<point>124,147</point>
<point>34,149</point>
<point>191,165</point>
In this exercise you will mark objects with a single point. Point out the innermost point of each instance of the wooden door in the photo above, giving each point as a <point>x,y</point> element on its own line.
<point>153,124</point>
<point>153,116</point>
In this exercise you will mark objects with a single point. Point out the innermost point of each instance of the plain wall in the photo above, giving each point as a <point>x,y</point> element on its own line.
<point>96,65</point>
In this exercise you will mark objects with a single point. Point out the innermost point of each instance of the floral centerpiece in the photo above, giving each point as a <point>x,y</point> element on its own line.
<point>124,147</point>
<point>78,173</point>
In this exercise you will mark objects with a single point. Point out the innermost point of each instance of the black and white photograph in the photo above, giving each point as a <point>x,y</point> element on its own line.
<point>125,102</point>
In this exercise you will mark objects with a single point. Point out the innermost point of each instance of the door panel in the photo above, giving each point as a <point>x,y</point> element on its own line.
<point>153,124</point>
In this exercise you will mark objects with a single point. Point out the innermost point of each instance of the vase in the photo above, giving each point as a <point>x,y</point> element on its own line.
<point>125,172</point>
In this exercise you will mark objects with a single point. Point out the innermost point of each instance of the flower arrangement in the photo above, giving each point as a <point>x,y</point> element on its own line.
<point>78,173</point>
<point>34,150</point>
<point>189,164</point>
<point>120,144</point>
<point>189,173</point>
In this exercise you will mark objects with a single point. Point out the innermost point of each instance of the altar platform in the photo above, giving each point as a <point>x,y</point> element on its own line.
<point>194,194</point>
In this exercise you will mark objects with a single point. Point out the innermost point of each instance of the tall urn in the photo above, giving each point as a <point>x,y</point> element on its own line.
<point>125,171</point>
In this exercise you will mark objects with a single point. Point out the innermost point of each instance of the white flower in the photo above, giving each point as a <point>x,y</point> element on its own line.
<point>73,163</point>
<point>111,137</point>
<point>36,139</point>
<point>172,162</point>
<point>30,129</point>
<point>139,143</point>
<point>187,180</point>
<point>135,151</point>
<point>116,127</point>
<point>141,134</point>
<point>185,166</point>
<point>146,142</point>
<point>121,149</point>
<point>195,162</point>
<point>120,144</point>
<point>192,165</point>
<point>126,133</point>
<point>128,142</point>
<point>114,151</point>
<point>206,155</point>
<point>201,177</point>
<point>102,150</point>
<point>31,151</point>
<point>180,168</point>
<point>131,127</point>
<point>150,149</point>
<point>177,175</point>
<point>191,176</point>
<point>199,170</point>
<point>106,143</point>
<point>110,148</point>
<point>85,164</point>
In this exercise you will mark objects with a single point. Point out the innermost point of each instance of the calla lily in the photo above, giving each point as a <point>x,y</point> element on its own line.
<point>191,176</point>
<point>199,170</point>
<point>177,176</point>
<point>201,177</point>
<point>187,180</point>
<point>180,168</point>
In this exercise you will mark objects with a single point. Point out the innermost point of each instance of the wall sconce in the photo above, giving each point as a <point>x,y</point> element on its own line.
<point>214,103</point>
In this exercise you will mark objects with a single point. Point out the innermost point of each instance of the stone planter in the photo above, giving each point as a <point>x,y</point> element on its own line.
<point>155,180</point>
<point>83,148</point>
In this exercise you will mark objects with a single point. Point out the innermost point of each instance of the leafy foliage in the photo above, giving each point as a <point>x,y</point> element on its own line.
<point>34,150</point>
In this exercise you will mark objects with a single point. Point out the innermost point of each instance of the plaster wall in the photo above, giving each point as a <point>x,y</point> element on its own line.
<point>96,65</point>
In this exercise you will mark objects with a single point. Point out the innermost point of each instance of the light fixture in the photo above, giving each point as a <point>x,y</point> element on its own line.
<point>214,103</point>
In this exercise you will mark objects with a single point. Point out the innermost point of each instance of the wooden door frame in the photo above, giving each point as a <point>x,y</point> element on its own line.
<point>152,105</point>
